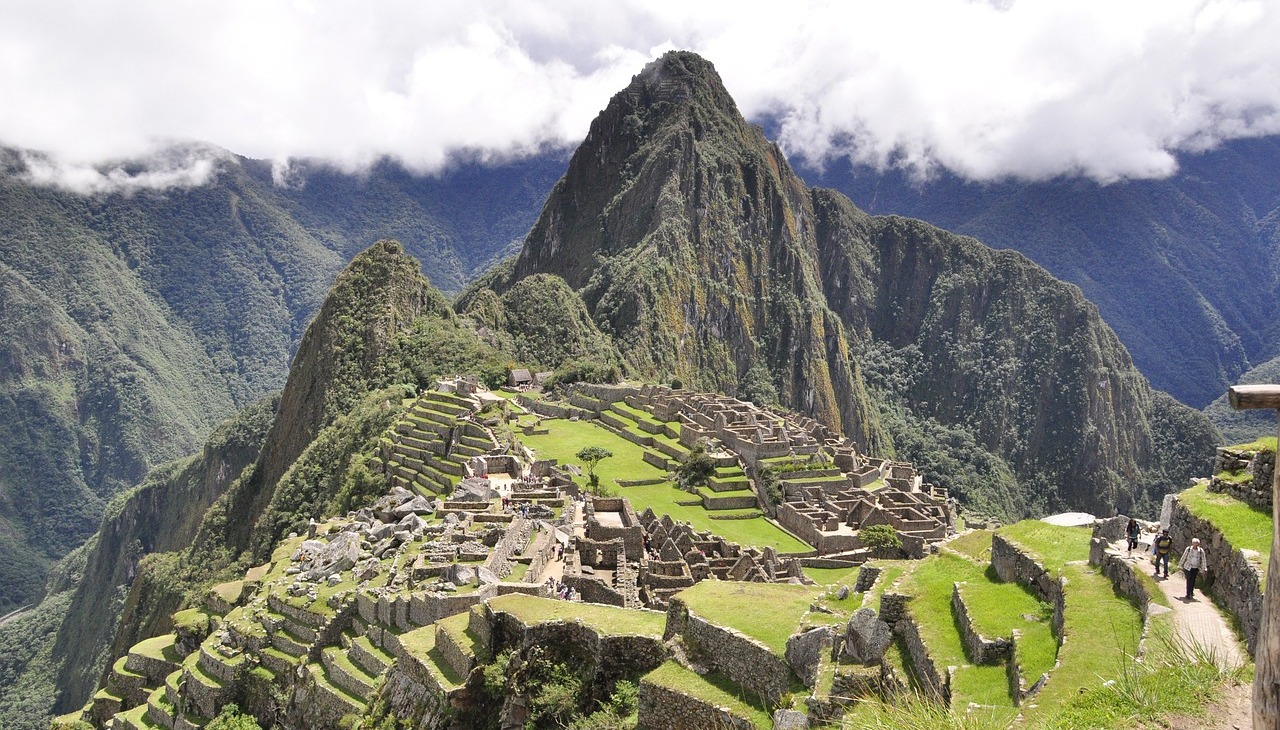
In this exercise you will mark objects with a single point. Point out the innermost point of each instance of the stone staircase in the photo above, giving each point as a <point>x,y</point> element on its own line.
<point>428,449</point>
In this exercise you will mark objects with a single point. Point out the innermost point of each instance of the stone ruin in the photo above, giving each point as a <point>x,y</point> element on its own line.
<point>642,560</point>
<point>830,489</point>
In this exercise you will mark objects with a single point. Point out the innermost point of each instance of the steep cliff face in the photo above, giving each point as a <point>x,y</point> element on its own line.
<point>341,357</point>
<point>692,243</point>
<point>160,515</point>
<point>1018,358</point>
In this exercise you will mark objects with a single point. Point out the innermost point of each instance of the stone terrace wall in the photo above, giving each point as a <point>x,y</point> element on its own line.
<point>1261,464</point>
<point>981,650</point>
<point>1120,571</point>
<point>666,709</point>
<point>1012,564</point>
<point>893,611</point>
<point>511,543</point>
<point>1232,577</point>
<point>745,660</point>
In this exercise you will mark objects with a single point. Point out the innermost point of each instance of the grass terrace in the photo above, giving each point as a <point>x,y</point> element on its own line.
<point>566,438</point>
<point>833,576</point>
<point>713,689</point>
<point>767,612</point>
<point>929,586</point>
<point>604,619</point>
<point>976,544</point>
<point>1243,525</point>
<point>1054,544</point>
<point>1266,443</point>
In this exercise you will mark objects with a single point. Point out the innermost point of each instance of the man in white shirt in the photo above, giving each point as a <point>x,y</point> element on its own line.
<point>1192,561</point>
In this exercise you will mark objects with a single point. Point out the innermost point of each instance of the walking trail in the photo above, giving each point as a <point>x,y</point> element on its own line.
<point>1198,619</point>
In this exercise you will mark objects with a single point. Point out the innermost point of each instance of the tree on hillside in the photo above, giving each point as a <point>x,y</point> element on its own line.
<point>696,468</point>
<point>592,456</point>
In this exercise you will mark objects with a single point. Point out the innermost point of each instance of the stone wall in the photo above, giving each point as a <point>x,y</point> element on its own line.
<point>934,681</point>
<point>666,709</point>
<point>1120,571</point>
<point>419,706</point>
<point>594,591</point>
<point>1260,464</point>
<point>511,544</point>
<point>1233,576</point>
<point>743,659</point>
<point>1012,564</point>
<point>981,650</point>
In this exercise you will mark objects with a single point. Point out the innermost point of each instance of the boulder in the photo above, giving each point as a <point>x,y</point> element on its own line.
<point>784,719</point>
<point>382,531</point>
<point>487,577</point>
<point>416,506</point>
<point>805,651</point>
<point>307,551</point>
<point>474,489</point>
<point>866,637</point>
<point>340,554</point>
<point>459,575</point>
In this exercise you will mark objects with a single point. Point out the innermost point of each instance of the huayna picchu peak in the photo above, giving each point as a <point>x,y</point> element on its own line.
<point>712,449</point>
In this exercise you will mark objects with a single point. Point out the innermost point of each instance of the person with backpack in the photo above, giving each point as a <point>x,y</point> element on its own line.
<point>1132,531</point>
<point>1162,547</point>
<point>1193,560</point>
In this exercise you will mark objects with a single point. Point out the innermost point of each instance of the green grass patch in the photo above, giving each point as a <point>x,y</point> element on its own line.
<point>518,572</point>
<point>1241,477</point>
<point>1055,545</point>
<point>833,576</point>
<point>1244,526</point>
<point>976,544</point>
<point>158,647</point>
<point>1266,443</point>
<point>890,571</point>
<point>604,619</point>
<point>566,438</point>
<point>767,612</point>
<point>713,689</point>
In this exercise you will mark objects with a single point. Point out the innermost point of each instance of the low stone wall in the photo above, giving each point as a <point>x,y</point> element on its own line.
<point>931,679</point>
<point>1260,464</point>
<point>1018,688</point>
<point>594,591</point>
<point>512,543</point>
<point>1120,572</point>
<point>981,650</point>
<point>662,708</point>
<point>1012,564</point>
<point>1232,576</point>
<point>555,410</point>
<point>428,608</point>
<point>743,659</point>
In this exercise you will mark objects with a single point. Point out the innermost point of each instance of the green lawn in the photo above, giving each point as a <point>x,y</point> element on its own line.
<point>976,544</point>
<point>1243,526</point>
<point>1266,443</point>
<point>605,619</point>
<point>1100,627</point>
<point>929,586</point>
<point>767,612</point>
<point>1055,545</point>
<point>833,576</point>
<point>566,438</point>
<point>711,688</point>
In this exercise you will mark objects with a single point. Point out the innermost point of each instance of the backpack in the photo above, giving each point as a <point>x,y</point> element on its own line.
<point>1163,544</point>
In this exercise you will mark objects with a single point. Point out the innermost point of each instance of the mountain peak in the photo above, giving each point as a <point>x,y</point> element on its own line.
<point>680,77</point>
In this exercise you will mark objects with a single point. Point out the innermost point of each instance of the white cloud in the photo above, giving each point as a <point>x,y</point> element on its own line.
<point>1029,88</point>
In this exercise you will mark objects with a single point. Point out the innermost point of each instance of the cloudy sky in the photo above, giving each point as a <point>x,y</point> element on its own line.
<point>1106,89</point>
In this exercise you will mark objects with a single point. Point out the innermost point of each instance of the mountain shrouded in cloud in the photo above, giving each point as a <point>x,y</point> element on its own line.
<point>986,90</point>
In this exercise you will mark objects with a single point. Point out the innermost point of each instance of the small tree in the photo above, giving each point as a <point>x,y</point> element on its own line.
<point>696,468</point>
<point>880,537</point>
<point>592,456</point>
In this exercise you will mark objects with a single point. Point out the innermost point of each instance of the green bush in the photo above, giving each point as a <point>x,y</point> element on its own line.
<point>880,537</point>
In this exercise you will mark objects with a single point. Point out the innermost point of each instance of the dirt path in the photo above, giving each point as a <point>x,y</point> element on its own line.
<point>15,615</point>
<point>1197,619</point>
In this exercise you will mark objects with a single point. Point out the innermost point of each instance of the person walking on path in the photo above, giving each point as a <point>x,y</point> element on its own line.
<point>1132,531</point>
<point>1192,561</point>
<point>1162,547</point>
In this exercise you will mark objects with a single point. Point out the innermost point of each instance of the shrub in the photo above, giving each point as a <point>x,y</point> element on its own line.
<point>880,537</point>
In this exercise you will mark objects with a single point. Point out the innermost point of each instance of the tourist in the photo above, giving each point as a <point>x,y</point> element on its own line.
<point>1193,560</point>
<point>1132,531</point>
<point>1162,547</point>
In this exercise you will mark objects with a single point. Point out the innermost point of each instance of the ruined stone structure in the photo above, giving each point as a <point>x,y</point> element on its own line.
<point>1246,474</point>
<point>829,489</point>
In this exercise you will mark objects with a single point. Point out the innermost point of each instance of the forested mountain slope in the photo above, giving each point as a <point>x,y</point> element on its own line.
<point>1185,269</point>
<point>133,323</point>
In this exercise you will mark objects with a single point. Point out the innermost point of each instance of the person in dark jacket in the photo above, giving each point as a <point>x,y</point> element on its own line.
<point>1162,547</point>
<point>1132,531</point>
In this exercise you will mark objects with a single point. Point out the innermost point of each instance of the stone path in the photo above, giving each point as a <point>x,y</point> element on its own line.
<point>1197,619</point>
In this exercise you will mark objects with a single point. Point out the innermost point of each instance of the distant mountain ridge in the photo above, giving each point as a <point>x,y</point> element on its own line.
<point>694,245</point>
<point>1185,269</point>
<point>134,323</point>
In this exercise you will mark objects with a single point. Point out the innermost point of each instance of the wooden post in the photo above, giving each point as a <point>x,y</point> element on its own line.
<point>1266,677</point>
